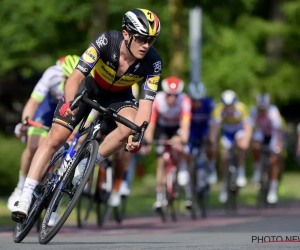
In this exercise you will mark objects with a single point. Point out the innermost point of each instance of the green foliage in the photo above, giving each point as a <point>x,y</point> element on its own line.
<point>11,151</point>
<point>235,36</point>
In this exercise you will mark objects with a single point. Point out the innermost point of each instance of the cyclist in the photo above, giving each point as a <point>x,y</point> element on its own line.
<point>171,115</point>
<point>202,107</point>
<point>40,107</point>
<point>233,117</point>
<point>112,63</point>
<point>268,131</point>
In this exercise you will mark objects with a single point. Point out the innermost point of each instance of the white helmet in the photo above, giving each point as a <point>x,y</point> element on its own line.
<point>196,90</point>
<point>229,97</point>
<point>263,101</point>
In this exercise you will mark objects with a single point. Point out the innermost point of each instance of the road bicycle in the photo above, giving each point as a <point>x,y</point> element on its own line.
<point>67,194</point>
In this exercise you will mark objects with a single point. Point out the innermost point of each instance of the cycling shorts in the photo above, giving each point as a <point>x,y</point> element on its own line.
<point>163,132</point>
<point>44,114</point>
<point>264,139</point>
<point>228,139</point>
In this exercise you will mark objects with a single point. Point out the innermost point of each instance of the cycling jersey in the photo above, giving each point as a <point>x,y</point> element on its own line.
<point>170,116</point>
<point>48,91</point>
<point>200,119</point>
<point>51,83</point>
<point>101,60</point>
<point>231,122</point>
<point>267,122</point>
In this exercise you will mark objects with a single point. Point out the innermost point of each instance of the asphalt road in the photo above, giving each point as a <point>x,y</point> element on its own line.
<point>249,229</point>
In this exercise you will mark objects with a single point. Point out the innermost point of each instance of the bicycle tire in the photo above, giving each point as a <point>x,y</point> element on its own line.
<point>87,198</point>
<point>21,232</point>
<point>90,147</point>
<point>119,212</point>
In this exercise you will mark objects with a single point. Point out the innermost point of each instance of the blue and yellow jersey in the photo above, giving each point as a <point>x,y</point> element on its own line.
<point>231,122</point>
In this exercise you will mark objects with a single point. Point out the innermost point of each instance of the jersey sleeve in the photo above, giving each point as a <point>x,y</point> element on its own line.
<point>43,86</point>
<point>186,109</point>
<point>93,53</point>
<point>275,117</point>
<point>150,86</point>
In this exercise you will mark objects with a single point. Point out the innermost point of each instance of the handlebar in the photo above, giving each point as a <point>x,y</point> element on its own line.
<point>29,122</point>
<point>108,112</point>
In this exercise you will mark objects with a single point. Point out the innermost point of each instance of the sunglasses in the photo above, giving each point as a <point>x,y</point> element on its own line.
<point>175,95</point>
<point>144,39</point>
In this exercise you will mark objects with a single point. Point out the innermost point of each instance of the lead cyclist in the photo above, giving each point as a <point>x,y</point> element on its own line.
<point>111,64</point>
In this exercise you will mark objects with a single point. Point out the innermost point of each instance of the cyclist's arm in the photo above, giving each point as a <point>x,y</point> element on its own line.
<point>247,124</point>
<point>215,123</point>
<point>30,108</point>
<point>214,129</point>
<point>185,121</point>
<point>152,124</point>
<point>72,85</point>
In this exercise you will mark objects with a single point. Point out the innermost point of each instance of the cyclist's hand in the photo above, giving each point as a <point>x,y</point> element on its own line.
<point>244,144</point>
<point>132,146</point>
<point>277,148</point>
<point>20,130</point>
<point>65,110</point>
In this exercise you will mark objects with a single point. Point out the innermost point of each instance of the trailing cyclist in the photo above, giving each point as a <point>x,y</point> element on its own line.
<point>113,62</point>
<point>202,107</point>
<point>40,107</point>
<point>231,116</point>
<point>268,131</point>
<point>171,116</point>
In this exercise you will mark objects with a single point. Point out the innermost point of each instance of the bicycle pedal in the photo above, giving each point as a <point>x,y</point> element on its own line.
<point>19,218</point>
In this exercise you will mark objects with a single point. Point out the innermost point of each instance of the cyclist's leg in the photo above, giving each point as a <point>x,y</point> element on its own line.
<point>183,176</point>
<point>211,152</point>
<point>241,180</point>
<point>226,142</point>
<point>256,152</point>
<point>275,161</point>
<point>60,131</point>
<point>160,133</point>
<point>35,136</point>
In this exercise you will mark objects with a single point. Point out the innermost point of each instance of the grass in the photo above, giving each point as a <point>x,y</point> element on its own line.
<point>143,196</point>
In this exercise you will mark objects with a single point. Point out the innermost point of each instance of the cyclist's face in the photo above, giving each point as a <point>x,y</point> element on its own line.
<point>262,111</point>
<point>140,44</point>
<point>196,104</point>
<point>171,99</point>
<point>229,109</point>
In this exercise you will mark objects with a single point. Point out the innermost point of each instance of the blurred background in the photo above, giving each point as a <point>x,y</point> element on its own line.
<point>248,46</point>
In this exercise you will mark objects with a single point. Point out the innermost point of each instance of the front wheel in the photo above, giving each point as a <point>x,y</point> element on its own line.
<point>66,196</point>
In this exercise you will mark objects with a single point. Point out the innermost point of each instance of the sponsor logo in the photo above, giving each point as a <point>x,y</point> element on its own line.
<point>90,55</point>
<point>136,67</point>
<point>101,41</point>
<point>157,66</point>
<point>114,56</point>
<point>82,68</point>
<point>151,83</point>
<point>149,97</point>
<point>136,76</point>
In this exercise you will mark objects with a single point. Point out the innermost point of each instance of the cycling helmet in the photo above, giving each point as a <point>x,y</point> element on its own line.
<point>263,101</point>
<point>196,90</point>
<point>172,85</point>
<point>68,64</point>
<point>141,21</point>
<point>229,97</point>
